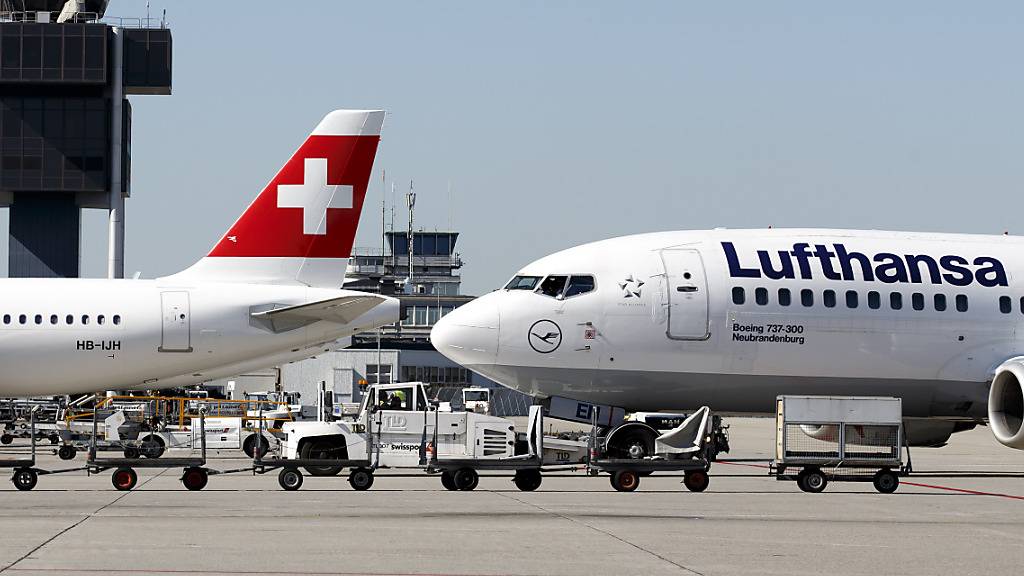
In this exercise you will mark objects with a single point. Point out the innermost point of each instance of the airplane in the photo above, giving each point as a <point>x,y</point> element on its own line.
<point>267,293</point>
<point>733,318</point>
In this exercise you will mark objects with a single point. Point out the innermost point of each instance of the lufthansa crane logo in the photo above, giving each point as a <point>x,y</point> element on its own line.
<point>545,336</point>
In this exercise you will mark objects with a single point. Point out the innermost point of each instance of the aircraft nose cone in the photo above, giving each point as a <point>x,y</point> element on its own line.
<point>468,335</point>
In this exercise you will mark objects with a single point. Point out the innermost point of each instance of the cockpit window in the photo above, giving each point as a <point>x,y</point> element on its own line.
<point>523,283</point>
<point>579,285</point>
<point>553,285</point>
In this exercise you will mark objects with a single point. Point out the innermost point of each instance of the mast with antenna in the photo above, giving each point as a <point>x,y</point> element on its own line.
<point>410,200</point>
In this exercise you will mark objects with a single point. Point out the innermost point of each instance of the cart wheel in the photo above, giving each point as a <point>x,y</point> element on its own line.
<point>696,480</point>
<point>528,479</point>
<point>466,479</point>
<point>290,479</point>
<point>25,479</point>
<point>6,439</point>
<point>886,481</point>
<point>360,479</point>
<point>124,478</point>
<point>131,452</point>
<point>195,478</point>
<point>447,480</point>
<point>625,480</point>
<point>66,452</point>
<point>152,447</point>
<point>255,446</point>
<point>814,480</point>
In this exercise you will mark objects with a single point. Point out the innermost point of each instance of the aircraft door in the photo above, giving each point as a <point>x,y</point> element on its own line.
<point>176,322</point>
<point>687,289</point>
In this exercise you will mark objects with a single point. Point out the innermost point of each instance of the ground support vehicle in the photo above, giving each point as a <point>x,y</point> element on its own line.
<point>683,448</point>
<point>25,472</point>
<point>194,476</point>
<point>840,439</point>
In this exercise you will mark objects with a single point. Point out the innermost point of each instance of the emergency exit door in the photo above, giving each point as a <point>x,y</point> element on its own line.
<point>174,335</point>
<point>687,295</point>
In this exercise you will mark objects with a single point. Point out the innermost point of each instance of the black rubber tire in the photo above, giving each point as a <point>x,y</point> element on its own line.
<point>448,481</point>
<point>814,481</point>
<point>886,481</point>
<point>131,453</point>
<point>360,479</point>
<point>152,447</point>
<point>290,479</point>
<point>6,439</point>
<point>124,478</point>
<point>67,452</point>
<point>254,442</point>
<point>696,480</point>
<point>528,480</point>
<point>636,445</point>
<point>320,451</point>
<point>625,480</point>
<point>466,479</point>
<point>25,479</point>
<point>195,478</point>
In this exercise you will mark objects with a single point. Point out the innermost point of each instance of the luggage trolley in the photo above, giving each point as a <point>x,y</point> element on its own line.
<point>26,474</point>
<point>840,439</point>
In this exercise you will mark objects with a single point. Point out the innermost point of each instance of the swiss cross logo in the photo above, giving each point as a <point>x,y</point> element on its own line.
<point>314,196</point>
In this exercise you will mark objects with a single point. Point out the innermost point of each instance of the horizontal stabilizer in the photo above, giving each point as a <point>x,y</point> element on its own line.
<point>343,310</point>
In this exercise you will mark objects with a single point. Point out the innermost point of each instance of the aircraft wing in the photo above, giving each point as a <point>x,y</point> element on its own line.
<point>342,310</point>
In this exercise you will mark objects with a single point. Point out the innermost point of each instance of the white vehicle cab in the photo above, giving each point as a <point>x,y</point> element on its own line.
<point>734,318</point>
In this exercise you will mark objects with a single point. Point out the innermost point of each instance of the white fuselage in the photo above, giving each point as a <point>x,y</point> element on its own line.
<point>665,328</point>
<point>154,333</point>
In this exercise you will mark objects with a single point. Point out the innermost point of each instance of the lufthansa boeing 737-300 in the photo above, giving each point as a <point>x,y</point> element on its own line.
<point>269,291</point>
<point>733,318</point>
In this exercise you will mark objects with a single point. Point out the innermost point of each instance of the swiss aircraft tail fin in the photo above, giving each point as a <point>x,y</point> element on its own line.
<point>301,227</point>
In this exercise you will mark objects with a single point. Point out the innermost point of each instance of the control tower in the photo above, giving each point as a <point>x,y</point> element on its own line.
<point>65,124</point>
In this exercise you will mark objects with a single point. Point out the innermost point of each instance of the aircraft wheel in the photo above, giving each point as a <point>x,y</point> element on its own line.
<point>66,452</point>
<point>6,439</point>
<point>25,479</point>
<point>152,447</point>
<point>124,478</point>
<point>195,478</point>
<point>290,479</point>
<point>625,480</point>
<point>696,480</point>
<point>360,479</point>
<point>466,479</point>
<point>814,480</point>
<point>527,480</point>
<point>886,481</point>
<point>448,480</point>
<point>131,452</point>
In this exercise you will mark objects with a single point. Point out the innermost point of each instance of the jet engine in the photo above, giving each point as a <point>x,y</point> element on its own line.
<point>920,433</point>
<point>1006,404</point>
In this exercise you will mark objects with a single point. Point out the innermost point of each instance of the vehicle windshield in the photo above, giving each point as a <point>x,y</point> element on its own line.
<point>474,395</point>
<point>523,283</point>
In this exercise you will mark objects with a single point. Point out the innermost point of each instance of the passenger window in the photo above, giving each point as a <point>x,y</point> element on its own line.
<point>85,318</point>
<point>874,300</point>
<point>7,318</point>
<point>940,302</point>
<point>851,298</point>
<point>22,319</point>
<point>739,296</point>
<point>552,286</point>
<point>784,297</point>
<point>117,319</point>
<point>761,296</point>
<point>39,318</point>
<point>961,303</point>
<point>1005,305</point>
<point>523,283</point>
<point>1022,304</point>
<point>917,301</point>
<point>896,300</point>
<point>828,298</point>
<point>69,319</point>
<point>579,285</point>
<point>101,319</point>
<point>54,319</point>
<point>807,297</point>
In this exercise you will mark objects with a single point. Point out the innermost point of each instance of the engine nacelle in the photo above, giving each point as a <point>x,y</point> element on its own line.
<point>919,433</point>
<point>1006,404</point>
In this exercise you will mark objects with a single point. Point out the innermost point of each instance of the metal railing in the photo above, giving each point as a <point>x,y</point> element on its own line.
<point>31,17</point>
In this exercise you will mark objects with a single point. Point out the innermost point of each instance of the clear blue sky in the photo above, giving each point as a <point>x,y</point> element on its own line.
<point>559,123</point>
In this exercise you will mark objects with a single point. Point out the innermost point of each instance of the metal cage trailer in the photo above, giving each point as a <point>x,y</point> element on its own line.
<point>683,448</point>
<point>25,472</point>
<point>822,439</point>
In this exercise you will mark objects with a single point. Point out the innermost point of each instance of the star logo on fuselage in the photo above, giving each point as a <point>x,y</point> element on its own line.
<point>631,287</point>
